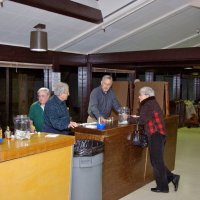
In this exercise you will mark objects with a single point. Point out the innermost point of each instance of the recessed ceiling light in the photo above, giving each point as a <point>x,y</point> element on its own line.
<point>188,68</point>
<point>195,73</point>
<point>196,67</point>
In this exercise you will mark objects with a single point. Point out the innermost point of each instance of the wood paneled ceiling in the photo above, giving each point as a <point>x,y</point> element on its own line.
<point>103,26</point>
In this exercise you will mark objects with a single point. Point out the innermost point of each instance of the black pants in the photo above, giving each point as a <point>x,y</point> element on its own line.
<point>161,173</point>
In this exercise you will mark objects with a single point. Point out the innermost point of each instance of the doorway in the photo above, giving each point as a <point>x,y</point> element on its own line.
<point>18,91</point>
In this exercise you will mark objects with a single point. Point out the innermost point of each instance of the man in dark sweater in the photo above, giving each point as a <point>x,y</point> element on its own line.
<point>102,101</point>
<point>56,114</point>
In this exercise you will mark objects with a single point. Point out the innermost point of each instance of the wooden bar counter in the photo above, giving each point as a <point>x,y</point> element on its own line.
<point>126,167</point>
<point>36,169</point>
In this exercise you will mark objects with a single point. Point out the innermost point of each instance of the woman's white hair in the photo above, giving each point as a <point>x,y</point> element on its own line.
<point>43,89</point>
<point>61,88</point>
<point>148,91</point>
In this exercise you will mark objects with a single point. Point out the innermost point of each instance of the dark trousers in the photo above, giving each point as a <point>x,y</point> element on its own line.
<point>156,149</point>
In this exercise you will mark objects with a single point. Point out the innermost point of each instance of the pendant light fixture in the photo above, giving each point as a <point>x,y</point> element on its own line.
<point>38,39</point>
<point>1,2</point>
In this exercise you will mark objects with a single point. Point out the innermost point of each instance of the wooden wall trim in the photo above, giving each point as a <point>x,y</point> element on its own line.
<point>84,89</point>
<point>169,57</point>
<point>22,54</point>
<point>166,56</point>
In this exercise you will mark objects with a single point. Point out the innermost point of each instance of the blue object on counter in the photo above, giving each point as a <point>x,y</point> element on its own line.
<point>101,126</point>
<point>1,140</point>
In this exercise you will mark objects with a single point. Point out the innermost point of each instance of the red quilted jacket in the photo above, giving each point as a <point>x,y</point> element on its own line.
<point>151,116</point>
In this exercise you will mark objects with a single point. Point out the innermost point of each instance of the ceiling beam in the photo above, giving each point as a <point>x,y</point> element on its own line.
<point>67,8</point>
<point>57,59</point>
<point>150,57</point>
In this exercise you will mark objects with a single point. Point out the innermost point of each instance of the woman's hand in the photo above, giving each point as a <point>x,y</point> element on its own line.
<point>135,116</point>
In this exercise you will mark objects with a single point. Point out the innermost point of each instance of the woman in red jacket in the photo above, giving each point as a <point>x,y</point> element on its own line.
<point>151,117</point>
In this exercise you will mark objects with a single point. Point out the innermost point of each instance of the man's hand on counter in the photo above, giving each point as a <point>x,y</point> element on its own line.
<point>103,120</point>
<point>72,125</point>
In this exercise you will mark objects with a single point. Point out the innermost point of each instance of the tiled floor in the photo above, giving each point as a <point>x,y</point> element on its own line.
<point>187,165</point>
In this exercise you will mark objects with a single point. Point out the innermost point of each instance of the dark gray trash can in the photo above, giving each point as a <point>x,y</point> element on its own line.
<point>87,170</point>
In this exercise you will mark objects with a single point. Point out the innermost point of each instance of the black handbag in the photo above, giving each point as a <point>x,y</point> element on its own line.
<point>139,138</point>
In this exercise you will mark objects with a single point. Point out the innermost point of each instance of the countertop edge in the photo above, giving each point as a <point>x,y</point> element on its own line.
<point>14,149</point>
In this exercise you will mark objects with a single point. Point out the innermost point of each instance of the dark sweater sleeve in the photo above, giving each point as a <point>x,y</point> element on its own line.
<point>93,104</point>
<point>145,114</point>
<point>132,120</point>
<point>115,103</point>
<point>58,121</point>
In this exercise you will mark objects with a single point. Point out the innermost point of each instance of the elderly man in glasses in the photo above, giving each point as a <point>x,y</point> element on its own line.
<point>36,111</point>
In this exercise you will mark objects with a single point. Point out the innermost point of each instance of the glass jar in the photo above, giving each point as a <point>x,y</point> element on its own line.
<point>22,127</point>
<point>123,113</point>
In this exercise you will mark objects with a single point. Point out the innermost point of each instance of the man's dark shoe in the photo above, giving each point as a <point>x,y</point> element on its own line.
<point>158,190</point>
<point>175,181</point>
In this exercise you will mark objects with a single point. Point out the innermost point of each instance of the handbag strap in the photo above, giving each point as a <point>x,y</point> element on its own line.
<point>137,124</point>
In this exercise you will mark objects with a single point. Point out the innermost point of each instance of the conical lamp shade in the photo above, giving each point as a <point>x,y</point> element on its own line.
<point>38,41</point>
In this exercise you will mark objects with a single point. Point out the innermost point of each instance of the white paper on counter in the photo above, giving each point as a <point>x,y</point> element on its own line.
<point>93,126</point>
<point>89,123</point>
<point>51,135</point>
